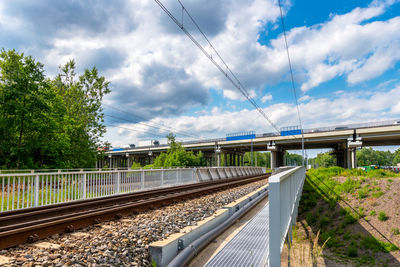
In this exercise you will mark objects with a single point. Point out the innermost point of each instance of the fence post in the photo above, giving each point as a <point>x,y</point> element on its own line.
<point>117,183</point>
<point>83,186</point>
<point>36,188</point>
<point>142,180</point>
<point>275,224</point>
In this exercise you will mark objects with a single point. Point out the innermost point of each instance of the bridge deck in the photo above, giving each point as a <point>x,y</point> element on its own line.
<point>249,247</point>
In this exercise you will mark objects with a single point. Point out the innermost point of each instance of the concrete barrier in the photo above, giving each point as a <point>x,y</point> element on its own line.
<point>162,252</point>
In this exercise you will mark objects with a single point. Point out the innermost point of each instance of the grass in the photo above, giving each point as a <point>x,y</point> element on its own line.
<point>322,207</point>
<point>395,231</point>
<point>382,216</point>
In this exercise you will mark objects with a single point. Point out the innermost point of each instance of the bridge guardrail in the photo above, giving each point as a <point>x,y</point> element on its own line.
<point>285,190</point>
<point>25,190</point>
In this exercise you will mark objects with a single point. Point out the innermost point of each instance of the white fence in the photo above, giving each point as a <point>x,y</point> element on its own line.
<point>25,190</point>
<point>285,190</point>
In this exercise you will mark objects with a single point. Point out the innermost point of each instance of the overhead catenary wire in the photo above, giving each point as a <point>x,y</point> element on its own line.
<point>148,125</point>
<point>228,73</point>
<point>159,126</point>
<point>292,80</point>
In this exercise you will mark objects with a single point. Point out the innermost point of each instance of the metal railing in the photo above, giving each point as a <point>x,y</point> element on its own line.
<point>285,190</point>
<point>25,190</point>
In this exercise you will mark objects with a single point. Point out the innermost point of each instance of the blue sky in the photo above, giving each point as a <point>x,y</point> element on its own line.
<point>345,56</point>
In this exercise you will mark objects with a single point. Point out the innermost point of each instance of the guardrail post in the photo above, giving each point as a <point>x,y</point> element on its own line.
<point>142,180</point>
<point>83,186</point>
<point>117,183</point>
<point>275,224</point>
<point>36,191</point>
<point>193,174</point>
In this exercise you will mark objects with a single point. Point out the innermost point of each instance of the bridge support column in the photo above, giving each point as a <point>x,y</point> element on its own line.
<point>354,158</point>
<point>349,165</point>
<point>218,159</point>
<point>352,144</point>
<point>273,159</point>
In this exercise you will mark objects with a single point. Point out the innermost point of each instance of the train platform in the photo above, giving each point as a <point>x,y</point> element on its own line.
<point>249,247</point>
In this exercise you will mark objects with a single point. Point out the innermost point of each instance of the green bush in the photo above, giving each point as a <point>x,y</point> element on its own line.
<point>311,218</point>
<point>349,219</point>
<point>352,251</point>
<point>377,194</point>
<point>325,221</point>
<point>349,186</point>
<point>362,193</point>
<point>382,216</point>
<point>370,242</point>
<point>372,213</point>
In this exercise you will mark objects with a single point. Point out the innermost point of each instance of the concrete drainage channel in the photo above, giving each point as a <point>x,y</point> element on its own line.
<point>178,249</point>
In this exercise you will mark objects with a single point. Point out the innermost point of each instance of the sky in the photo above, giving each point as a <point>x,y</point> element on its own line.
<point>345,57</point>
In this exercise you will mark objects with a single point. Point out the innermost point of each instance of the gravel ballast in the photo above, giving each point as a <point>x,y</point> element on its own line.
<point>124,242</point>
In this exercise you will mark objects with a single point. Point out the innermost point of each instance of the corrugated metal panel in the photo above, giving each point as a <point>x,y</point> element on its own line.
<point>249,247</point>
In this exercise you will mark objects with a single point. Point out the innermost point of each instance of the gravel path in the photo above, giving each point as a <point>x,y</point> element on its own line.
<point>124,242</point>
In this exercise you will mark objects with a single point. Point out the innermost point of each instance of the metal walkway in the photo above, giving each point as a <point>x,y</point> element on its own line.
<point>249,247</point>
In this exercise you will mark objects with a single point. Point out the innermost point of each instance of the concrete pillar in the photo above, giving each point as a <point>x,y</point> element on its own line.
<point>218,159</point>
<point>354,158</point>
<point>273,159</point>
<point>349,161</point>
<point>279,159</point>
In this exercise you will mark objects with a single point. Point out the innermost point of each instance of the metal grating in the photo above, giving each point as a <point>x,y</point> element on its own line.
<point>249,247</point>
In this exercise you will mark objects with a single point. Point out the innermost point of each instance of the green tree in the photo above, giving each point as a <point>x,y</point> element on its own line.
<point>368,156</point>
<point>396,157</point>
<point>324,160</point>
<point>48,123</point>
<point>83,118</point>
<point>23,93</point>
<point>177,156</point>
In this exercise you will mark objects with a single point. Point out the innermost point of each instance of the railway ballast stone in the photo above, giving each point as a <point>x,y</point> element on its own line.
<point>125,242</point>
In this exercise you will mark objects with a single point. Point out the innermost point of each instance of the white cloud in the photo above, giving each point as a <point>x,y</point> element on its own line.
<point>342,109</point>
<point>266,98</point>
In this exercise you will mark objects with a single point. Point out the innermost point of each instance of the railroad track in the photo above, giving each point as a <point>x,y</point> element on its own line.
<point>30,225</point>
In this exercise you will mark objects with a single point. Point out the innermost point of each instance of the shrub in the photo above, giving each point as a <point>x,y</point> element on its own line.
<point>347,235</point>
<point>349,186</point>
<point>382,216</point>
<point>371,242</point>
<point>362,193</point>
<point>349,219</point>
<point>352,251</point>
<point>324,222</point>
<point>377,194</point>
<point>372,213</point>
<point>311,218</point>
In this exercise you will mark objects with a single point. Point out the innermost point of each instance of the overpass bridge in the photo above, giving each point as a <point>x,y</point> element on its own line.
<point>343,140</point>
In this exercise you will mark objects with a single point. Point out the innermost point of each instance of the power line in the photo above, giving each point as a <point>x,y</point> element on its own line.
<point>167,128</point>
<point>148,125</point>
<point>228,73</point>
<point>292,78</point>
<point>134,130</point>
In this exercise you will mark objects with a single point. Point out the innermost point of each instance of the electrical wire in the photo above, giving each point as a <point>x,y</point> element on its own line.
<point>167,128</point>
<point>228,74</point>
<point>148,125</point>
<point>292,79</point>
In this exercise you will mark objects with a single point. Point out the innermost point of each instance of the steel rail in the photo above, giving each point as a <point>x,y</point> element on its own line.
<point>42,222</point>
